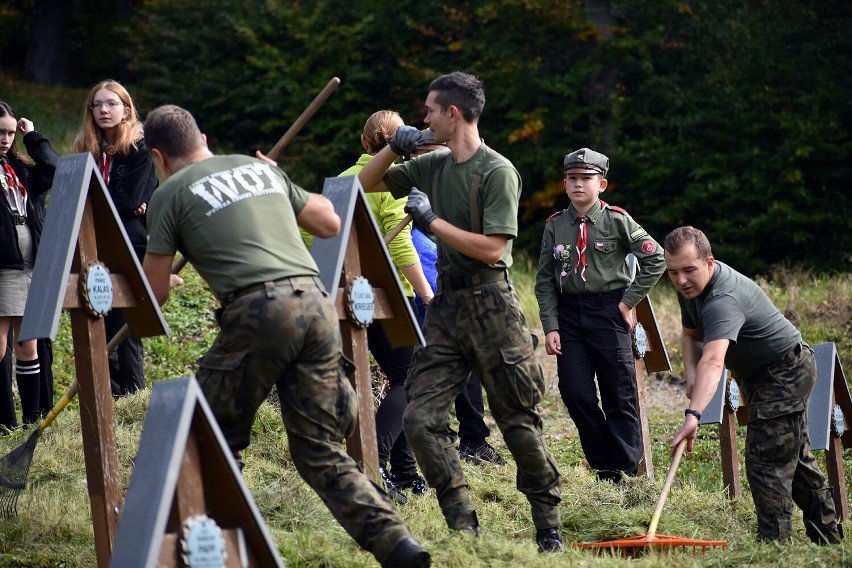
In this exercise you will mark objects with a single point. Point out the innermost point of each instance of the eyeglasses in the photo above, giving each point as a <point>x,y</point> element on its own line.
<point>109,105</point>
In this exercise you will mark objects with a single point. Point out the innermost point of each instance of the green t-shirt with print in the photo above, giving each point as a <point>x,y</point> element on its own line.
<point>234,218</point>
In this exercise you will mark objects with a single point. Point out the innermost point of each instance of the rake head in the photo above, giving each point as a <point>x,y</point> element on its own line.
<point>631,547</point>
<point>14,468</point>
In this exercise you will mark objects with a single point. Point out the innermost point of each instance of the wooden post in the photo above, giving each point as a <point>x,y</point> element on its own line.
<point>362,445</point>
<point>649,356</point>
<point>728,438</point>
<point>358,254</point>
<point>86,264</point>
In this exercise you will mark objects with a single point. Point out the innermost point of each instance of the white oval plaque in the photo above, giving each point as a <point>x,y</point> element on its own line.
<point>361,302</point>
<point>839,421</point>
<point>640,340</point>
<point>202,545</point>
<point>733,395</point>
<point>96,287</point>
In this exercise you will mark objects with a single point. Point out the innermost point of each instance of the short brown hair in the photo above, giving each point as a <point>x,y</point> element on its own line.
<point>683,236</point>
<point>173,131</point>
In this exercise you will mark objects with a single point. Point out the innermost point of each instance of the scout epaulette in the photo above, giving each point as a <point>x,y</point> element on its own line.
<point>605,205</point>
<point>554,215</point>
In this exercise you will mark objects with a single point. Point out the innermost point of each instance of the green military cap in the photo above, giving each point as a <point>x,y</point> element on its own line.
<point>587,161</point>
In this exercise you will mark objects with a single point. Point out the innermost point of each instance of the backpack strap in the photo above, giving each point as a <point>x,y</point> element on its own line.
<point>475,211</point>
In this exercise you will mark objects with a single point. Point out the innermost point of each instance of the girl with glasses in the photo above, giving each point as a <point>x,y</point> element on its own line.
<point>112,132</point>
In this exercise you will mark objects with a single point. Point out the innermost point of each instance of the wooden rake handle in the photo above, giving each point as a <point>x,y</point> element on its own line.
<point>303,118</point>
<point>658,508</point>
<point>398,229</point>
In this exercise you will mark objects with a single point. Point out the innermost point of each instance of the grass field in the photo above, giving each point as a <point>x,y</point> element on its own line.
<point>53,527</point>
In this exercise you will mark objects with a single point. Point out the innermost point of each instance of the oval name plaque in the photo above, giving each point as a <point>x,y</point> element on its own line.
<point>640,341</point>
<point>96,289</point>
<point>361,301</point>
<point>201,543</point>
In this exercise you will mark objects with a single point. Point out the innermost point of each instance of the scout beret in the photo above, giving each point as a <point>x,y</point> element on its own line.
<point>587,161</point>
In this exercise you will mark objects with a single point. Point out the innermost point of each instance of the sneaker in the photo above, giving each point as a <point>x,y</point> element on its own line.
<point>413,482</point>
<point>549,540</point>
<point>393,491</point>
<point>480,454</point>
<point>408,554</point>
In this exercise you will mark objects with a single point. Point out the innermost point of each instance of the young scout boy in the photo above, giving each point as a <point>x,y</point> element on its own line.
<point>585,293</point>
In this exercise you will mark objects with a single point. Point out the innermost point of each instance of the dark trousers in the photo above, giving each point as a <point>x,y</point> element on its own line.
<point>126,363</point>
<point>596,344</point>
<point>392,444</point>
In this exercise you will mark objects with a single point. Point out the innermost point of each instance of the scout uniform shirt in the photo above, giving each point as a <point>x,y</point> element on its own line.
<point>597,265</point>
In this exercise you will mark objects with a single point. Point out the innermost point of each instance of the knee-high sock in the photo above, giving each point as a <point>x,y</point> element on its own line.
<point>27,373</point>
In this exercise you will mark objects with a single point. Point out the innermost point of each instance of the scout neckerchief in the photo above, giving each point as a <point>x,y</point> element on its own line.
<point>105,162</point>
<point>582,242</point>
<point>13,189</point>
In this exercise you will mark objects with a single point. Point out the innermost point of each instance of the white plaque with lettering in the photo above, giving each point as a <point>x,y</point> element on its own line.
<point>361,302</point>
<point>201,543</point>
<point>96,289</point>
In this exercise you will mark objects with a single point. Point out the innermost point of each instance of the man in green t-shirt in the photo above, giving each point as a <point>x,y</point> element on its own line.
<point>475,321</point>
<point>237,220</point>
<point>729,321</point>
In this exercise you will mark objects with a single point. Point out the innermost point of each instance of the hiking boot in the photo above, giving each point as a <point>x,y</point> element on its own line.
<point>413,481</point>
<point>549,540</point>
<point>823,535</point>
<point>395,494</point>
<point>408,554</point>
<point>480,454</point>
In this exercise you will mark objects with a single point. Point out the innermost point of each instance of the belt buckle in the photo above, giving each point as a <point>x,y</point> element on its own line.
<point>20,219</point>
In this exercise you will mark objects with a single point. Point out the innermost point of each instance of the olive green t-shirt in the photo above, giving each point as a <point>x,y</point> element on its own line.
<point>234,219</point>
<point>733,307</point>
<point>448,186</point>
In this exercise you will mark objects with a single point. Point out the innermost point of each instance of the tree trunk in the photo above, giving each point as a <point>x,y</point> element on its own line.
<point>47,50</point>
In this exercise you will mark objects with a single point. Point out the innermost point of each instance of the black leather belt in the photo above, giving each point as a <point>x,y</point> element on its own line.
<point>461,281</point>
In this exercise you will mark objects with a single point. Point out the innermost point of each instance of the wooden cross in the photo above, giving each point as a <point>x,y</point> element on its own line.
<point>86,263</point>
<point>357,270</point>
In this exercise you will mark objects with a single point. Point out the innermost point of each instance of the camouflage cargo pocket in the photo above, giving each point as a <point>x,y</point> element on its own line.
<point>523,371</point>
<point>220,376</point>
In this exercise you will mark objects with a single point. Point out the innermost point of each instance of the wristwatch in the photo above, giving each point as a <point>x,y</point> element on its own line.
<point>693,412</point>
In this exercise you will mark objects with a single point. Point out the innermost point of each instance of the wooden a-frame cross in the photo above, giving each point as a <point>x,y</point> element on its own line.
<point>86,263</point>
<point>357,271</point>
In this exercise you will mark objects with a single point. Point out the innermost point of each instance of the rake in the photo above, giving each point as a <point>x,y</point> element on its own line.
<point>651,540</point>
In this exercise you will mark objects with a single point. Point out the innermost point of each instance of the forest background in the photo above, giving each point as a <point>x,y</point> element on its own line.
<point>730,115</point>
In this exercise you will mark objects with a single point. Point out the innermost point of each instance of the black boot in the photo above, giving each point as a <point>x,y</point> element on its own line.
<point>27,374</point>
<point>408,554</point>
<point>824,535</point>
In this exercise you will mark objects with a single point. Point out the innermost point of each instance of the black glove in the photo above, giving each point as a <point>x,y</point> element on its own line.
<point>405,140</point>
<point>420,208</point>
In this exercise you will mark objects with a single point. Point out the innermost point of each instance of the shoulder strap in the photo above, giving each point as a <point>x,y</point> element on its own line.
<point>475,211</point>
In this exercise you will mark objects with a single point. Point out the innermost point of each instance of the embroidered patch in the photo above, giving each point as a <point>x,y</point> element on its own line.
<point>649,246</point>
<point>599,245</point>
<point>638,234</point>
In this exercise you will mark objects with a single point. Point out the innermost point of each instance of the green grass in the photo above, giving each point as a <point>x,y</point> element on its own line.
<point>54,527</point>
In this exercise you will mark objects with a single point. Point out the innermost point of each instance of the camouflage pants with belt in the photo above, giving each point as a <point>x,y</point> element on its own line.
<point>780,466</point>
<point>287,334</point>
<point>481,328</point>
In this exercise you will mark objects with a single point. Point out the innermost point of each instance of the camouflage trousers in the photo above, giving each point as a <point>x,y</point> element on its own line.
<point>780,466</point>
<point>480,329</point>
<point>287,334</point>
